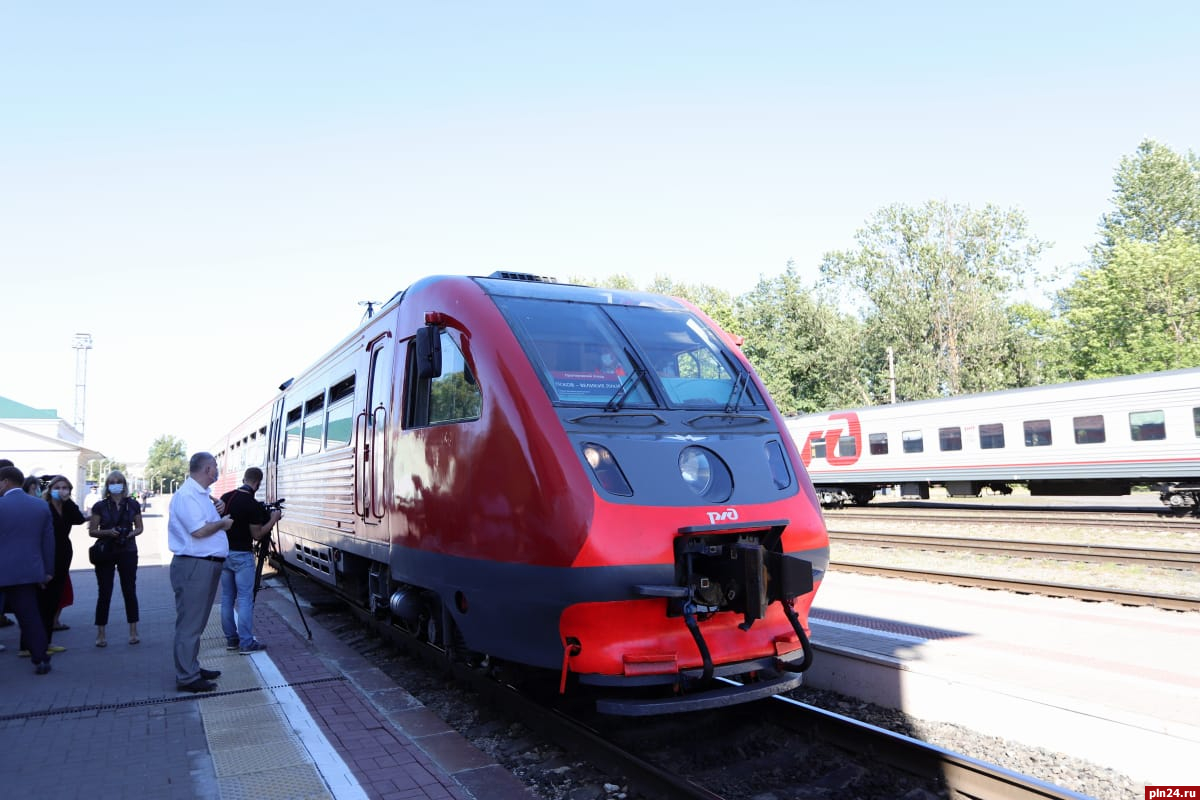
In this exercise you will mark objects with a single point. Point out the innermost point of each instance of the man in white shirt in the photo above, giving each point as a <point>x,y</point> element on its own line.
<point>196,535</point>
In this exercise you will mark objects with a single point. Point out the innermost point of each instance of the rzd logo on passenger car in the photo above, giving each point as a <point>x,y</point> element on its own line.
<point>728,515</point>
<point>853,430</point>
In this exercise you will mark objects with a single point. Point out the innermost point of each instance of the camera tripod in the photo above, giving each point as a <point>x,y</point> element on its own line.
<point>265,548</point>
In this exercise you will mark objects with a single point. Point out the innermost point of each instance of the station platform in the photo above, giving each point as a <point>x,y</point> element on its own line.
<point>1116,685</point>
<point>303,719</point>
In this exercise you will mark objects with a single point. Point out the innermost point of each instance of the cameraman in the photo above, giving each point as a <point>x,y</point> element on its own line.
<point>117,518</point>
<point>251,522</point>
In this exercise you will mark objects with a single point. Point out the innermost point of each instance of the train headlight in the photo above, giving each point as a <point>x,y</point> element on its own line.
<point>606,470</point>
<point>705,474</point>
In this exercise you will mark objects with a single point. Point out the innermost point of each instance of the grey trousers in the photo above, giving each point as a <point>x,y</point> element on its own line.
<point>195,581</point>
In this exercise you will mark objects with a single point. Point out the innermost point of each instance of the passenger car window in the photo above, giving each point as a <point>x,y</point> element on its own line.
<point>879,444</point>
<point>818,448</point>
<point>1196,420</point>
<point>1147,426</point>
<point>914,441</point>
<point>1089,430</point>
<point>991,437</point>
<point>1037,433</point>
<point>847,446</point>
<point>950,438</point>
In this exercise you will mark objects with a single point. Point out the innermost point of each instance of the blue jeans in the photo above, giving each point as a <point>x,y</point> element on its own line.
<point>237,594</point>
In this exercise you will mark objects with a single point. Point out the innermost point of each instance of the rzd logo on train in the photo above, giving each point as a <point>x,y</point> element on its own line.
<point>852,429</point>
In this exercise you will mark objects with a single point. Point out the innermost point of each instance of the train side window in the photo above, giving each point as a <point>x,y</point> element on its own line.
<point>1196,421</point>
<point>454,396</point>
<point>291,444</point>
<point>1037,433</point>
<point>847,446</point>
<point>991,437</point>
<point>878,443</point>
<point>950,438</point>
<point>818,448</point>
<point>1089,430</point>
<point>338,426</point>
<point>914,441</point>
<point>314,425</point>
<point>1147,426</point>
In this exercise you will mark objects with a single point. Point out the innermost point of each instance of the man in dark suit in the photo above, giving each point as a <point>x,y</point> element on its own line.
<point>27,542</point>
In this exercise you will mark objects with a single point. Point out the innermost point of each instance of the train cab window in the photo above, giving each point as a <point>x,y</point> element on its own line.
<point>914,441</point>
<point>878,444</point>
<point>291,443</point>
<point>1089,430</point>
<point>1037,433</point>
<point>991,436</point>
<point>818,448</point>
<point>847,446</point>
<point>950,438</point>
<point>453,396</point>
<point>1147,426</point>
<point>338,427</point>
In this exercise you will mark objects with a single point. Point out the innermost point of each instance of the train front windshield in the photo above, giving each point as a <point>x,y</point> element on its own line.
<point>628,356</point>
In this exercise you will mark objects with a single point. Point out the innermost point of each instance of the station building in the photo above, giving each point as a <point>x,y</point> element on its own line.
<point>41,443</point>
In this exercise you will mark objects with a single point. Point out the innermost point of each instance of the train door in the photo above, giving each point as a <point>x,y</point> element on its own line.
<point>371,459</point>
<point>271,467</point>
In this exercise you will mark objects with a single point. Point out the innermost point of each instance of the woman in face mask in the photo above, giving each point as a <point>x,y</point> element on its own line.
<point>116,518</point>
<point>65,514</point>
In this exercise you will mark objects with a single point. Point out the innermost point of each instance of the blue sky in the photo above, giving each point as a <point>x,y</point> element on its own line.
<point>210,190</point>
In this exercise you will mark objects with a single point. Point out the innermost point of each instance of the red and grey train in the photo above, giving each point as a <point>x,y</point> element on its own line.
<point>1096,437</point>
<point>589,481</point>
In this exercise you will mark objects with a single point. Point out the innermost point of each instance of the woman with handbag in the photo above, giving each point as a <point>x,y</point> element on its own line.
<point>116,521</point>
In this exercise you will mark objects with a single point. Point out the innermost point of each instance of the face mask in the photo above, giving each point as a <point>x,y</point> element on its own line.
<point>116,488</point>
<point>58,494</point>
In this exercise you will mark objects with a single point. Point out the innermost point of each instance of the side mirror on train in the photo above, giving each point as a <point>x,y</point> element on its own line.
<point>429,352</point>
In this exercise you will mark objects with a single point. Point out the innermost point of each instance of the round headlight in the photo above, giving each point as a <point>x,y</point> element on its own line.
<point>696,468</point>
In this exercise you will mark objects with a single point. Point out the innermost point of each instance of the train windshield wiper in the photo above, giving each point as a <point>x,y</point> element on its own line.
<point>628,385</point>
<point>733,404</point>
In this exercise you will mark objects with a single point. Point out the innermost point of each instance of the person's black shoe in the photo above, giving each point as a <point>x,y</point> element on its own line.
<point>5,621</point>
<point>198,685</point>
<point>210,674</point>
<point>42,668</point>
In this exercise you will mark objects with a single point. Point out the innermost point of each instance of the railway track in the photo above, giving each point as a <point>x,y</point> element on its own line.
<point>1106,521</point>
<point>1102,554</point>
<point>1124,597</point>
<point>648,769</point>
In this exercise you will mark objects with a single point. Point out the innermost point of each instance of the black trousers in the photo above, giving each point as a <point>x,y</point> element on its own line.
<point>126,566</point>
<point>48,597</point>
<point>22,602</point>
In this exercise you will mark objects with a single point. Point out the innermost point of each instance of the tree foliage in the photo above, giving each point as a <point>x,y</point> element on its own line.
<point>167,460</point>
<point>1156,193</point>
<point>803,348</point>
<point>934,282</point>
<point>1138,311</point>
<point>1135,308</point>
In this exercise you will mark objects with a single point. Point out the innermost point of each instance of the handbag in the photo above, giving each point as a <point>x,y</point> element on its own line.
<point>103,551</point>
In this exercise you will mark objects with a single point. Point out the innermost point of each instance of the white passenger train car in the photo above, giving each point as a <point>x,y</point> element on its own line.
<point>1097,437</point>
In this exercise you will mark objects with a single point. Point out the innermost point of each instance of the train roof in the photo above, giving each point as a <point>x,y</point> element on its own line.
<point>1076,390</point>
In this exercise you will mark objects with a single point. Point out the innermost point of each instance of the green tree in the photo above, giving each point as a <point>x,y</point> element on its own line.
<point>804,349</point>
<point>167,460</point>
<point>1134,307</point>
<point>1137,311</point>
<point>718,304</point>
<point>1156,192</point>
<point>933,282</point>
